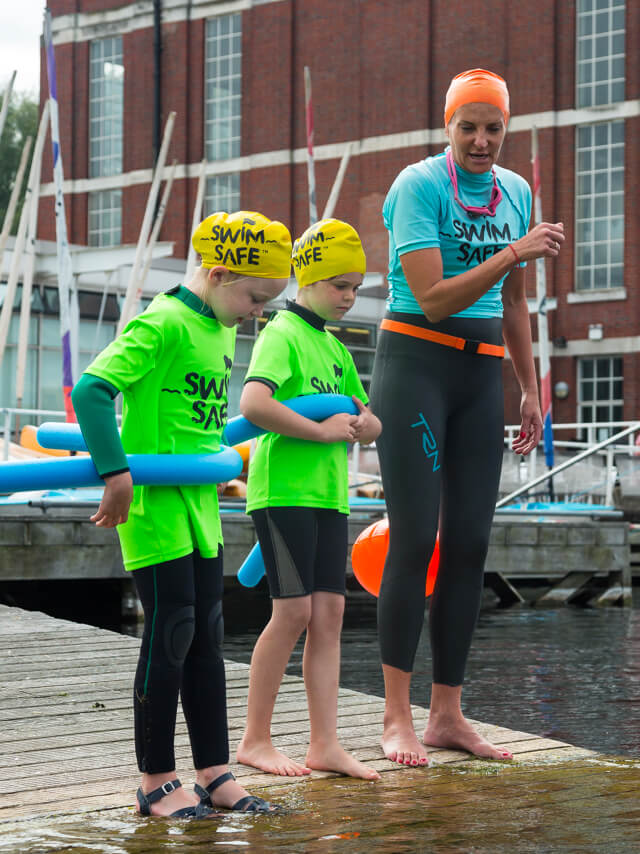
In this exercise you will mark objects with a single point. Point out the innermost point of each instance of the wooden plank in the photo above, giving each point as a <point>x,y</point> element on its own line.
<point>60,752</point>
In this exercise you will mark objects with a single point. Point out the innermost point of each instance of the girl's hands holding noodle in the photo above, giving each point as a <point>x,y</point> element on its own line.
<point>117,497</point>
<point>367,427</point>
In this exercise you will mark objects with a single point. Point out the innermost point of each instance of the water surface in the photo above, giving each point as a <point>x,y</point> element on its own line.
<point>568,673</point>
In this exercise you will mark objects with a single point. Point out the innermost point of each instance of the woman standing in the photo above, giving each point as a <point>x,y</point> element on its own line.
<point>458,240</point>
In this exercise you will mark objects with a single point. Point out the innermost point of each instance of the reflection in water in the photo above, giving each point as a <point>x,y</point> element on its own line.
<point>583,806</point>
<point>568,673</point>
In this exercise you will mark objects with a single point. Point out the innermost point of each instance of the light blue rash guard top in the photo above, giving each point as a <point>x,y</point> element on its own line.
<point>420,212</point>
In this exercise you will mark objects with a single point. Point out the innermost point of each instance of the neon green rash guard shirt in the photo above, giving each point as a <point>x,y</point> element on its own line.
<point>296,355</point>
<point>172,364</point>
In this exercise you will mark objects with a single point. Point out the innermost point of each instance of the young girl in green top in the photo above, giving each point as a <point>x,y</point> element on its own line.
<point>297,494</point>
<point>173,363</point>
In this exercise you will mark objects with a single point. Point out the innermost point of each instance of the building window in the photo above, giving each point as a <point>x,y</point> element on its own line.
<point>599,205</point>
<point>600,392</point>
<point>105,218</point>
<point>106,103</point>
<point>600,52</point>
<point>223,89</point>
<point>222,193</point>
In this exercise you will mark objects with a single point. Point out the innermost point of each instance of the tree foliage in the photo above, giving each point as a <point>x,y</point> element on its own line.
<point>22,121</point>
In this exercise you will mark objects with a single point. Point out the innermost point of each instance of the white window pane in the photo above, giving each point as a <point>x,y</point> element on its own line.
<point>600,48</point>
<point>601,206</point>
<point>617,43</point>
<point>599,249</point>
<point>600,278</point>
<point>616,251</point>
<point>601,94</point>
<point>585,25</point>
<point>617,91</point>
<point>617,19</point>
<point>617,204</point>
<point>616,276</point>
<point>584,256</point>
<point>106,103</point>
<point>601,182</point>
<point>617,132</point>
<point>601,254</point>
<point>223,86</point>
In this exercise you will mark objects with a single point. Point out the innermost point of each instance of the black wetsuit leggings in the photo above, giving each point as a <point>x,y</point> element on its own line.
<point>181,653</point>
<point>440,455</point>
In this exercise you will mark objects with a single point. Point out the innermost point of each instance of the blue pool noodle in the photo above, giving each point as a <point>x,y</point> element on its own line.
<point>252,569</point>
<point>314,406</point>
<point>57,434</point>
<point>239,429</point>
<point>156,469</point>
<point>317,407</point>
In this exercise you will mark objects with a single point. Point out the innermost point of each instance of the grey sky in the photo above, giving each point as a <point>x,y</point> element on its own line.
<point>20,29</point>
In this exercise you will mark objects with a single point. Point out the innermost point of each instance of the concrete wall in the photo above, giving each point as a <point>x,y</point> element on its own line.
<point>62,543</point>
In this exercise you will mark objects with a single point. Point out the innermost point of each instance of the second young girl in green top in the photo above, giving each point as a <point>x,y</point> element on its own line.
<point>297,494</point>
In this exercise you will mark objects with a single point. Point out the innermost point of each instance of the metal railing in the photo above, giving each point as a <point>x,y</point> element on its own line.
<point>633,427</point>
<point>7,416</point>
<point>607,447</point>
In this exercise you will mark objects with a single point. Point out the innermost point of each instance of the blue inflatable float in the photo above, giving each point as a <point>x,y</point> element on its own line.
<point>156,469</point>
<point>169,469</point>
<point>62,436</point>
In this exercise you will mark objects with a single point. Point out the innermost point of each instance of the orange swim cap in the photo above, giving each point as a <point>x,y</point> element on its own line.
<point>477,86</point>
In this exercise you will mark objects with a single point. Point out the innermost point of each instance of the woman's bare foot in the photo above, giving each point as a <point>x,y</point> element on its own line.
<point>400,744</point>
<point>170,803</point>
<point>264,756</point>
<point>333,757</point>
<point>458,734</point>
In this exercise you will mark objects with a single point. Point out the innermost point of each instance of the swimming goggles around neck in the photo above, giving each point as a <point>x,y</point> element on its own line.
<point>486,210</point>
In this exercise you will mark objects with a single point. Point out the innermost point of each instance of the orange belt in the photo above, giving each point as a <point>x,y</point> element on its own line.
<point>442,338</point>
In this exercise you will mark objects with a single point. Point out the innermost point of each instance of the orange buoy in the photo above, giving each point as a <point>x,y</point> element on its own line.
<point>244,449</point>
<point>369,553</point>
<point>28,439</point>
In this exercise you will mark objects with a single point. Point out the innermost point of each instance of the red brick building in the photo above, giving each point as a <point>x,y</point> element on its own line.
<point>233,72</point>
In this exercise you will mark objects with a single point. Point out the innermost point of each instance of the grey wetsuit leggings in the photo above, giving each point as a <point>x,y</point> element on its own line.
<point>440,454</point>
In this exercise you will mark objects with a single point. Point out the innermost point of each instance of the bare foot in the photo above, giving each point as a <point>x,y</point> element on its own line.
<point>458,734</point>
<point>334,757</point>
<point>264,756</point>
<point>400,744</point>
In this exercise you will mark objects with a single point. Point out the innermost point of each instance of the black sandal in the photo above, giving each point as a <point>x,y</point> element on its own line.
<point>201,810</point>
<point>250,803</point>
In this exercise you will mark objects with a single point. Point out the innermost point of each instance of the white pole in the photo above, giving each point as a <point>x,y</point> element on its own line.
<point>541,309</point>
<point>129,305</point>
<point>29,264</point>
<point>15,195</point>
<point>103,303</point>
<point>195,221</point>
<point>5,102</point>
<point>16,258</point>
<point>329,208</point>
<point>157,225</point>
<point>311,172</point>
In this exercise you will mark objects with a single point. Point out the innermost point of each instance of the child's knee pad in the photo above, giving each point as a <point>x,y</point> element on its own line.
<point>178,635</point>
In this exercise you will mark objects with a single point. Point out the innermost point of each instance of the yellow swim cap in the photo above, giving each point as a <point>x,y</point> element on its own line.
<point>244,242</point>
<point>326,249</point>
